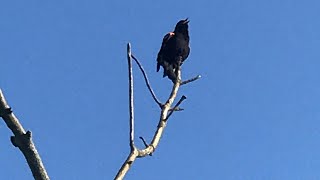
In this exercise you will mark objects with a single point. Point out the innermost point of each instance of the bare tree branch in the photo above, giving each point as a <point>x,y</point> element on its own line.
<point>147,81</point>
<point>190,80</point>
<point>127,164</point>
<point>163,118</point>
<point>144,141</point>
<point>23,140</point>
<point>177,105</point>
<point>131,107</point>
<point>135,152</point>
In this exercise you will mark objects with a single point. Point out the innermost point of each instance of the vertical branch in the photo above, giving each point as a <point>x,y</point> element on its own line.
<point>131,108</point>
<point>133,150</point>
<point>23,140</point>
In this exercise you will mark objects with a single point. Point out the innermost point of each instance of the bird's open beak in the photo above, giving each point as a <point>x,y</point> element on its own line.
<point>186,21</point>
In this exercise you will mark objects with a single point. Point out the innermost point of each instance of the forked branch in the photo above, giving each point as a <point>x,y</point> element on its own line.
<point>165,109</point>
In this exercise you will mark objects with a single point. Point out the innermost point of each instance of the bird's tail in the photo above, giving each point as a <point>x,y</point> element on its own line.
<point>158,67</point>
<point>170,72</point>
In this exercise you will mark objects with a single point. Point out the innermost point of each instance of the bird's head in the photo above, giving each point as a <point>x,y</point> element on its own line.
<point>182,26</point>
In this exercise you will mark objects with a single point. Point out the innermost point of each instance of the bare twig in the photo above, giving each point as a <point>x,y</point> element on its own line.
<point>175,106</point>
<point>176,109</point>
<point>147,81</point>
<point>145,143</point>
<point>131,107</point>
<point>23,140</point>
<point>190,80</point>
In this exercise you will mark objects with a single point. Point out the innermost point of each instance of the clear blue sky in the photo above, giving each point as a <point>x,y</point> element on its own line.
<point>254,114</point>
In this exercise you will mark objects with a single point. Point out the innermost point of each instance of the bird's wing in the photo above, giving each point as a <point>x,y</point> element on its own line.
<point>167,37</point>
<point>163,46</point>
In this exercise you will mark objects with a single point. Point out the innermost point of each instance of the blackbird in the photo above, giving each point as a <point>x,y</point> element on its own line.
<point>174,50</point>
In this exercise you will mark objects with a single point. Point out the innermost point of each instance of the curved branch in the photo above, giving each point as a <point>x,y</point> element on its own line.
<point>147,81</point>
<point>23,140</point>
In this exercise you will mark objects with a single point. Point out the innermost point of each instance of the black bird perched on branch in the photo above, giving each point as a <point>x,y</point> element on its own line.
<point>174,50</point>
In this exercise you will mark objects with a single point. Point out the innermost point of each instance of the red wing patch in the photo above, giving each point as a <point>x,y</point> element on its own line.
<point>167,37</point>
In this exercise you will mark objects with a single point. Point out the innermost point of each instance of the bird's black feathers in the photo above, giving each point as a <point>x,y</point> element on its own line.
<point>174,50</point>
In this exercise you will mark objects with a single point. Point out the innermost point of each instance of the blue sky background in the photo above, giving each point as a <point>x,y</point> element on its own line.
<point>253,115</point>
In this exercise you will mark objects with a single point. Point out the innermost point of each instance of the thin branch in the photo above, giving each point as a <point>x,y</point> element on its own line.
<point>176,109</point>
<point>23,140</point>
<point>144,141</point>
<point>131,107</point>
<point>147,81</point>
<point>133,150</point>
<point>163,117</point>
<point>176,106</point>
<point>190,80</point>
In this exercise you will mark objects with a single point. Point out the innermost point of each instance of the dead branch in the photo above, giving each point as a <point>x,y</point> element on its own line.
<point>165,108</point>
<point>147,81</point>
<point>190,80</point>
<point>23,140</point>
<point>131,107</point>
